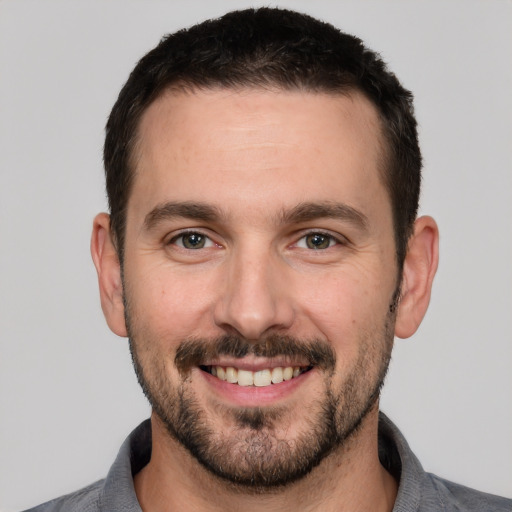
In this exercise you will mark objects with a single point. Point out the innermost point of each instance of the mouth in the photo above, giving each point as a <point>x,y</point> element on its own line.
<point>260,378</point>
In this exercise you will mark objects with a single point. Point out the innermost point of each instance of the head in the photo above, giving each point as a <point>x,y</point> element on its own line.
<point>263,177</point>
<point>268,49</point>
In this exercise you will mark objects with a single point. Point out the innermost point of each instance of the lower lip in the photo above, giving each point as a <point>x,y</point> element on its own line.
<point>255,396</point>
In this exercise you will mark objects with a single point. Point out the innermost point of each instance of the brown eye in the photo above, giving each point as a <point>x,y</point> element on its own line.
<point>318,241</point>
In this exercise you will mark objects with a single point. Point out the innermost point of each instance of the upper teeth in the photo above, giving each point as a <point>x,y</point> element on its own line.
<point>259,378</point>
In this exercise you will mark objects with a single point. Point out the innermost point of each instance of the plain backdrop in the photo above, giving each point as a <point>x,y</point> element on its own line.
<point>68,395</point>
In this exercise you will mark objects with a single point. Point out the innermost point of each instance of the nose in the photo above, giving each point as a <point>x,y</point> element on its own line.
<point>254,298</point>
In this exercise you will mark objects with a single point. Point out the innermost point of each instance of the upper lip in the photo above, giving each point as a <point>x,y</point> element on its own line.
<point>253,363</point>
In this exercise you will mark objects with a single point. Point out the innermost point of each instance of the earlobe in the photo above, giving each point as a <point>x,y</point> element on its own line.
<point>106,261</point>
<point>420,267</point>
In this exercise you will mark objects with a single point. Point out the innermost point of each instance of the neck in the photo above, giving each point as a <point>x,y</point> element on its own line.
<point>351,478</point>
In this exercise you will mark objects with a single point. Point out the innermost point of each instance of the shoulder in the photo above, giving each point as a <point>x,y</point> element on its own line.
<point>456,497</point>
<point>83,500</point>
<point>116,491</point>
<point>420,491</point>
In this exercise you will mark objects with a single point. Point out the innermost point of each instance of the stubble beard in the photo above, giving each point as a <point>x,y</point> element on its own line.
<point>253,451</point>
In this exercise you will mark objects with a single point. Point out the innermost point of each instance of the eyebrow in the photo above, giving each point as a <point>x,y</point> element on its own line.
<point>309,211</point>
<point>190,210</point>
<point>303,212</point>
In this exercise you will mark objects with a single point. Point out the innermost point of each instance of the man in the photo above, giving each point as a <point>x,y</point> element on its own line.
<point>261,253</point>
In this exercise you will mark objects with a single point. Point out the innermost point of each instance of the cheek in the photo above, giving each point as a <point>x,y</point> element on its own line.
<point>347,304</point>
<point>170,305</point>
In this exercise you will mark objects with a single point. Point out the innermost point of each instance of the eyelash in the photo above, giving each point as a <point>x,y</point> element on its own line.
<point>183,234</point>
<point>332,240</point>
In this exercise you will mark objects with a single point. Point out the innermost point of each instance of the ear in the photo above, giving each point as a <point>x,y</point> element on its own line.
<point>106,261</point>
<point>420,267</point>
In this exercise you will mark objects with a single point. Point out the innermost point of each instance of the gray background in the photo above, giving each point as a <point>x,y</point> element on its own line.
<point>68,396</point>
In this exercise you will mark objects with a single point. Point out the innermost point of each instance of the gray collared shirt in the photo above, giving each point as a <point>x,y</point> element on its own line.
<point>418,491</point>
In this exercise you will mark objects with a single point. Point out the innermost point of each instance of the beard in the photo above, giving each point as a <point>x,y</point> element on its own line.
<point>254,450</point>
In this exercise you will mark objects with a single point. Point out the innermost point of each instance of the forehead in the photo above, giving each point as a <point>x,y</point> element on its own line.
<point>267,146</point>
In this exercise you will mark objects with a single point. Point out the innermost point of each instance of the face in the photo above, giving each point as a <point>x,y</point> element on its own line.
<point>258,276</point>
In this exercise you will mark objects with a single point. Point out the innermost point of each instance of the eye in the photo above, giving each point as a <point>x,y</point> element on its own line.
<point>192,240</point>
<point>317,241</point>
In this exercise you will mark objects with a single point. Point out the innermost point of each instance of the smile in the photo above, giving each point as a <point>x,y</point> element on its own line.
<point>260,378</point>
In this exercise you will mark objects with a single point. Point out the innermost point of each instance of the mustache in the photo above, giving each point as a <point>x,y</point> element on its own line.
<point>194,352</point>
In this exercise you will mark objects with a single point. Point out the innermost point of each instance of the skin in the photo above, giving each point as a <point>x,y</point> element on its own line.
<point>254,155</point>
